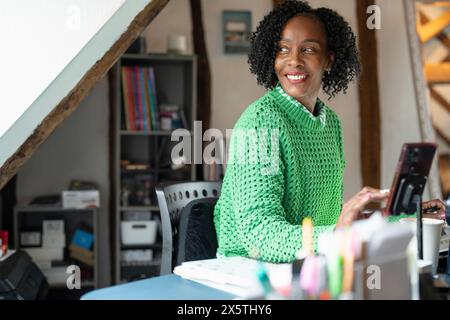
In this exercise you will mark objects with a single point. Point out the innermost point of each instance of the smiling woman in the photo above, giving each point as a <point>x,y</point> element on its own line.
<point>295,51</point>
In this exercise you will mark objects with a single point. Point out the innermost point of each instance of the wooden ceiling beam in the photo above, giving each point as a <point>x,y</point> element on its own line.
<point>437,72</point>
<point>441,36</point>
<point>442,135</point>
<point>439,99</point>
<point>434,27</point>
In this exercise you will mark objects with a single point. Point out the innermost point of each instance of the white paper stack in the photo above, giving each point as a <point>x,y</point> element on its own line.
<point>237,275</point>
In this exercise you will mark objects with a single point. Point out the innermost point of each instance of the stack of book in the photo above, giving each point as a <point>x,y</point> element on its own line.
<point>140,104</point>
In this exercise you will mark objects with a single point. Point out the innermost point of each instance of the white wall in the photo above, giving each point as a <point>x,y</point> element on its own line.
<point>233,86</point>
<point>78,149</point>
<point>49,95</point>
<point>43,37</point>
<point>347,106</point>
<point>399,117</point>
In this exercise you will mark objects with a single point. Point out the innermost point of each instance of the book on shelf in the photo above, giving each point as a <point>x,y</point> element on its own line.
<point>140,108</point>
<point>131,166</point>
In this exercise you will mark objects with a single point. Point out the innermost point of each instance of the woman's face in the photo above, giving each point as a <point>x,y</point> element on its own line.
<point>302,58</point>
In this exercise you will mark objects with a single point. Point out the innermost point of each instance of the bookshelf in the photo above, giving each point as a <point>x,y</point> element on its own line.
<point>149,89</point>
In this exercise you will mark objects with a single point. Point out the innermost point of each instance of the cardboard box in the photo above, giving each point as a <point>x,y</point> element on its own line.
<point>81,199</point>
<point>82,255</point>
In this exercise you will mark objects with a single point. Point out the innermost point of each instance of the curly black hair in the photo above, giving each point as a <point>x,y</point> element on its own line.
<point>340,40</point>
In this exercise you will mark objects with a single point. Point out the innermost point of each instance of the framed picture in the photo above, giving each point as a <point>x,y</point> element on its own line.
<point>237,29</point>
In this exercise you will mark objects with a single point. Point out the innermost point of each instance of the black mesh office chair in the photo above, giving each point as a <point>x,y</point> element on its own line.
<point>188,231</point>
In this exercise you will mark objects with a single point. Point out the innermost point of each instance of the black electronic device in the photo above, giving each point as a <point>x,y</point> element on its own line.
<point>21,279</point>
<point>409,182</point>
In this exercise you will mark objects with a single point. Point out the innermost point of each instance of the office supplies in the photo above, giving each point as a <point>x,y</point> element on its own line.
<point>349,258</point>
<point>237,275</point>
<point>264,280</point>
<point>307,236</point>
<point>281,277</point>
<point>308,277</point>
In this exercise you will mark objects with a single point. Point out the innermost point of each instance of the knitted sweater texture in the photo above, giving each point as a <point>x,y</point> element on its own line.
<point>284,164</point>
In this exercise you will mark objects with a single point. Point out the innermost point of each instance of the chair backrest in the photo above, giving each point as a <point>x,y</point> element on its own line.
<point>172,199</point>
<point>197,238</point>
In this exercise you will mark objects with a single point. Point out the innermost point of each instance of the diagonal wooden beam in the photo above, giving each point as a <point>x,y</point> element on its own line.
<point>434,27</point>
<point>442,135</point>
<point>437,72</point>
<point>70,103</point>
<point>442,37</point>
<point>439,99</point>
<point>370,122</point>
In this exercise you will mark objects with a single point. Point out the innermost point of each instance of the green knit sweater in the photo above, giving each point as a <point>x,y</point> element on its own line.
<point>285,164</point>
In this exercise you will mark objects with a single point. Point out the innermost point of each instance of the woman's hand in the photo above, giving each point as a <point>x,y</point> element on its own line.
<point>351,210</point>
<point>439,213</point>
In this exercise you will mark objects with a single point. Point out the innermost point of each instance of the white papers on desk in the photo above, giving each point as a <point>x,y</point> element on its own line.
<point>236,275</point>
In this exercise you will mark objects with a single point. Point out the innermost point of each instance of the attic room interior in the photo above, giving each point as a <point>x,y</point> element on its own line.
<point>126,127</point>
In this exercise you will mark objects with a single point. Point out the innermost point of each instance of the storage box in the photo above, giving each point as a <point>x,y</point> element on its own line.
<point>136,255</point>
<point>43,264</point>
<point>54,240</point>
<point>52,227</point>
<point>137,215</point>
<point>45,254</point>
<point>83,239</point>
<point>56,276</point>
<point>138,232</point>
<point>30,239</point>
<point>81,199</point>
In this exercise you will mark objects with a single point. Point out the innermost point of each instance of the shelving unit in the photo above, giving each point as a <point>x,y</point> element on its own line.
<point>175,80</point>
<point>31,218</point>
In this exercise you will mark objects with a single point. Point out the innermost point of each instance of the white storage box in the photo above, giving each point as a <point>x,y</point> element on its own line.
<point>30,239</point>
<point>52,227</point>
<point>45,254</point>
<point>138,232</point>
<point>81,199</point>
<point>54,240</point>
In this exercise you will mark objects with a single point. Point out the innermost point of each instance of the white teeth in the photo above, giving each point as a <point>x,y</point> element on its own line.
<point>291,77</point>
